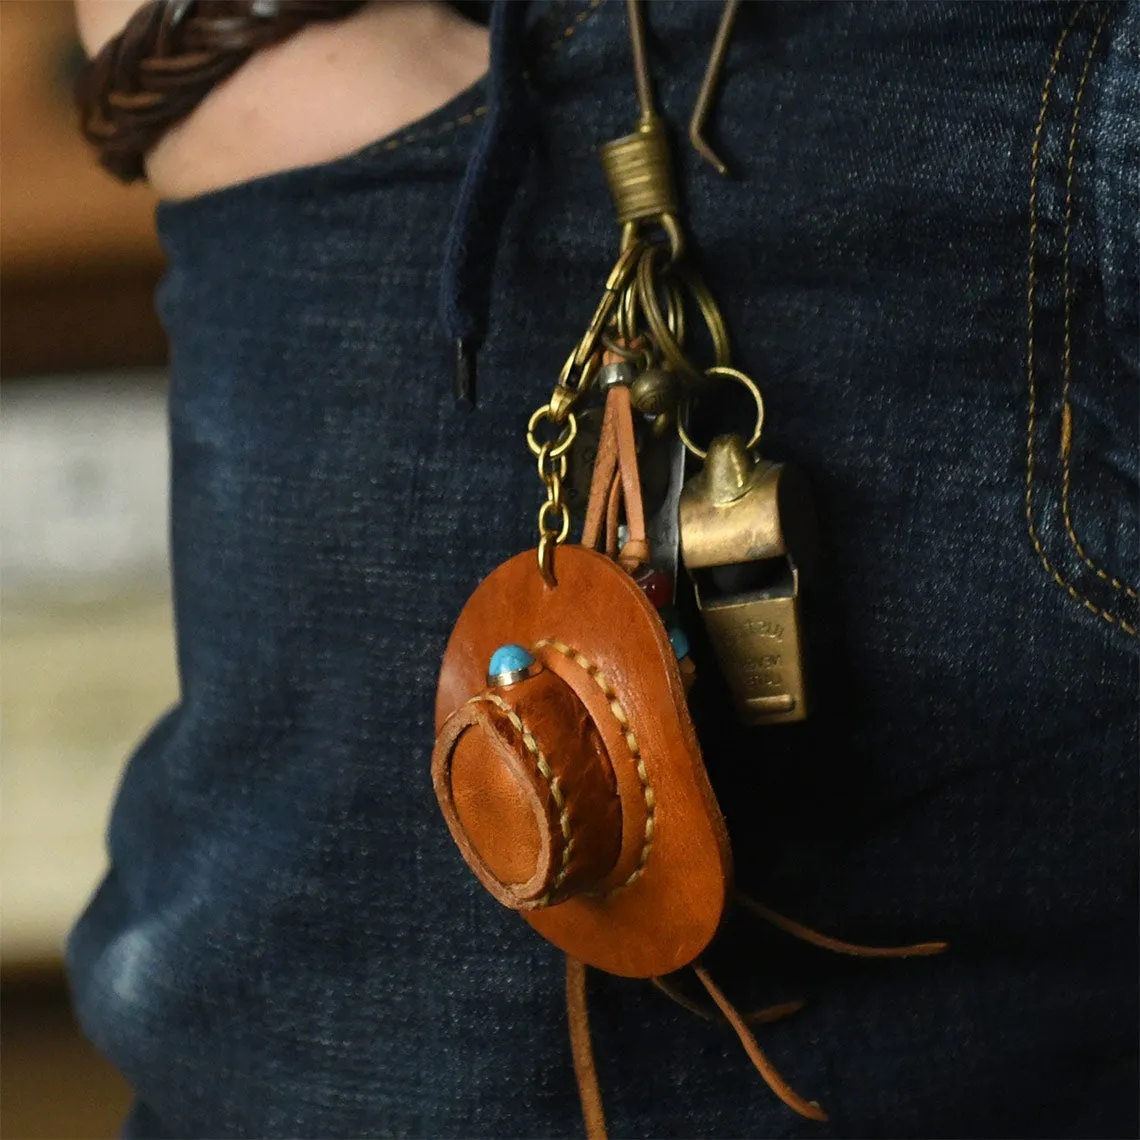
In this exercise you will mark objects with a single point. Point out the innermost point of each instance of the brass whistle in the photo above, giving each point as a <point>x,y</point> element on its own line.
<point>747,534</point>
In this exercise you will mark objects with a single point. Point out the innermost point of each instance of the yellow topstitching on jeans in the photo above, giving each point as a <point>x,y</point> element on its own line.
<point>1031,363</point>
<point>579,20</point>
<point>442,129</point>
<point>1066,405</point>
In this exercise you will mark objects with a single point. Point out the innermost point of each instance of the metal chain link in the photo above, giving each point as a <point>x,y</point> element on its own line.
<point>552,464</point>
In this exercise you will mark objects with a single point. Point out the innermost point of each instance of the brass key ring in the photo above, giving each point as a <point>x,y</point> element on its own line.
<point>750,384</point>
<point>661,327</point>
<point>710,310</point>
<point>631,309</point>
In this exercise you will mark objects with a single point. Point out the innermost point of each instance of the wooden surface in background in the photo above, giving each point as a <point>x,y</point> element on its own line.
<point>78,264</point>
<point>53,1084</point>
<point>79,258</point>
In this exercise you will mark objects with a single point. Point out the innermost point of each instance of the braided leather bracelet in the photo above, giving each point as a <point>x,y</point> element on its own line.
<point>168,58</point>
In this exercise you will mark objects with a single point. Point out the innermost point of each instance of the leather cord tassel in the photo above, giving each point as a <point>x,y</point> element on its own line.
<point>582,1049</point>
<point>755,1054</point>
<point>616,481</point>
<point>806,934</point>
<point>765,1016</point>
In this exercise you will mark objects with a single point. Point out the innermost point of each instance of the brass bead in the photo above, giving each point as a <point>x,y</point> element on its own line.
<point>654,392</point>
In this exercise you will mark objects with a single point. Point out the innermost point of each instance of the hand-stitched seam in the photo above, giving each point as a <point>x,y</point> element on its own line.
<point>555,789</point>
<point>1066,404</point>
<point>619,714</point>
<point>465,120</point>
<point>1031,363</point>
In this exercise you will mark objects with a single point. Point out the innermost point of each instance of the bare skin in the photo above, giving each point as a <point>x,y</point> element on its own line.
<point>322,94</point>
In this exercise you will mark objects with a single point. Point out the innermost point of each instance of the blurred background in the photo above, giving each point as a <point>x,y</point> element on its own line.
<point>85,628</point>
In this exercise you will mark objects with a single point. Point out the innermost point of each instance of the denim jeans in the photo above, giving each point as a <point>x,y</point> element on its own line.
<point>287,943</point>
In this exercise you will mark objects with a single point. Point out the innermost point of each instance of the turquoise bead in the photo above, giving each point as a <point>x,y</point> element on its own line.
<point>680,641</point>
<point>509,659</point>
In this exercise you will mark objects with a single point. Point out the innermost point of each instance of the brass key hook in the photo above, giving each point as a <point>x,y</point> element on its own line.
<point>637,166</point>
<point>709,83</point>
<point>641,76</point>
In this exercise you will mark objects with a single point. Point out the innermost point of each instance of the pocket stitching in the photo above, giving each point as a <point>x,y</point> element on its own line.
<point>1067,363</point>
<point>1031,361</point>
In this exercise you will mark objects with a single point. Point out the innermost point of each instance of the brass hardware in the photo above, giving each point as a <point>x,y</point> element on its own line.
<point>654,392</point>
<point>561,401</point>
<point>641,76</point>
<point>750,384</point>
<point>643,303</point>
<point>667,329</point>
<point>620,372</point>
<point>640,357</point>
<point>575,378</point>
<point>709,84</point>
<point>559,446</point>
<point>746,537</point>
<point>578,370</point>
<point>637,172</point>
<point>552,465</point>
<point>714,321</point>
<point>638,166</point>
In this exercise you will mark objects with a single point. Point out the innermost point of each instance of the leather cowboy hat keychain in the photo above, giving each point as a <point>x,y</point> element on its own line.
<point>566,763</point>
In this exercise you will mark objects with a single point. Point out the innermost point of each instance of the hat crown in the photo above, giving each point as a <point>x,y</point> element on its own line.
<point>528,790</point>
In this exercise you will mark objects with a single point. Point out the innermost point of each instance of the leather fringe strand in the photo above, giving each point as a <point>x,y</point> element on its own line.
<point>776,1083</point>
<point>765,1016</point>
<point>582,1049</point>
<point>806,934</point>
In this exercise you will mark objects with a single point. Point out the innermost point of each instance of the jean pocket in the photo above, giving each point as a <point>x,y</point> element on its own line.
<point>1082,477</point>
